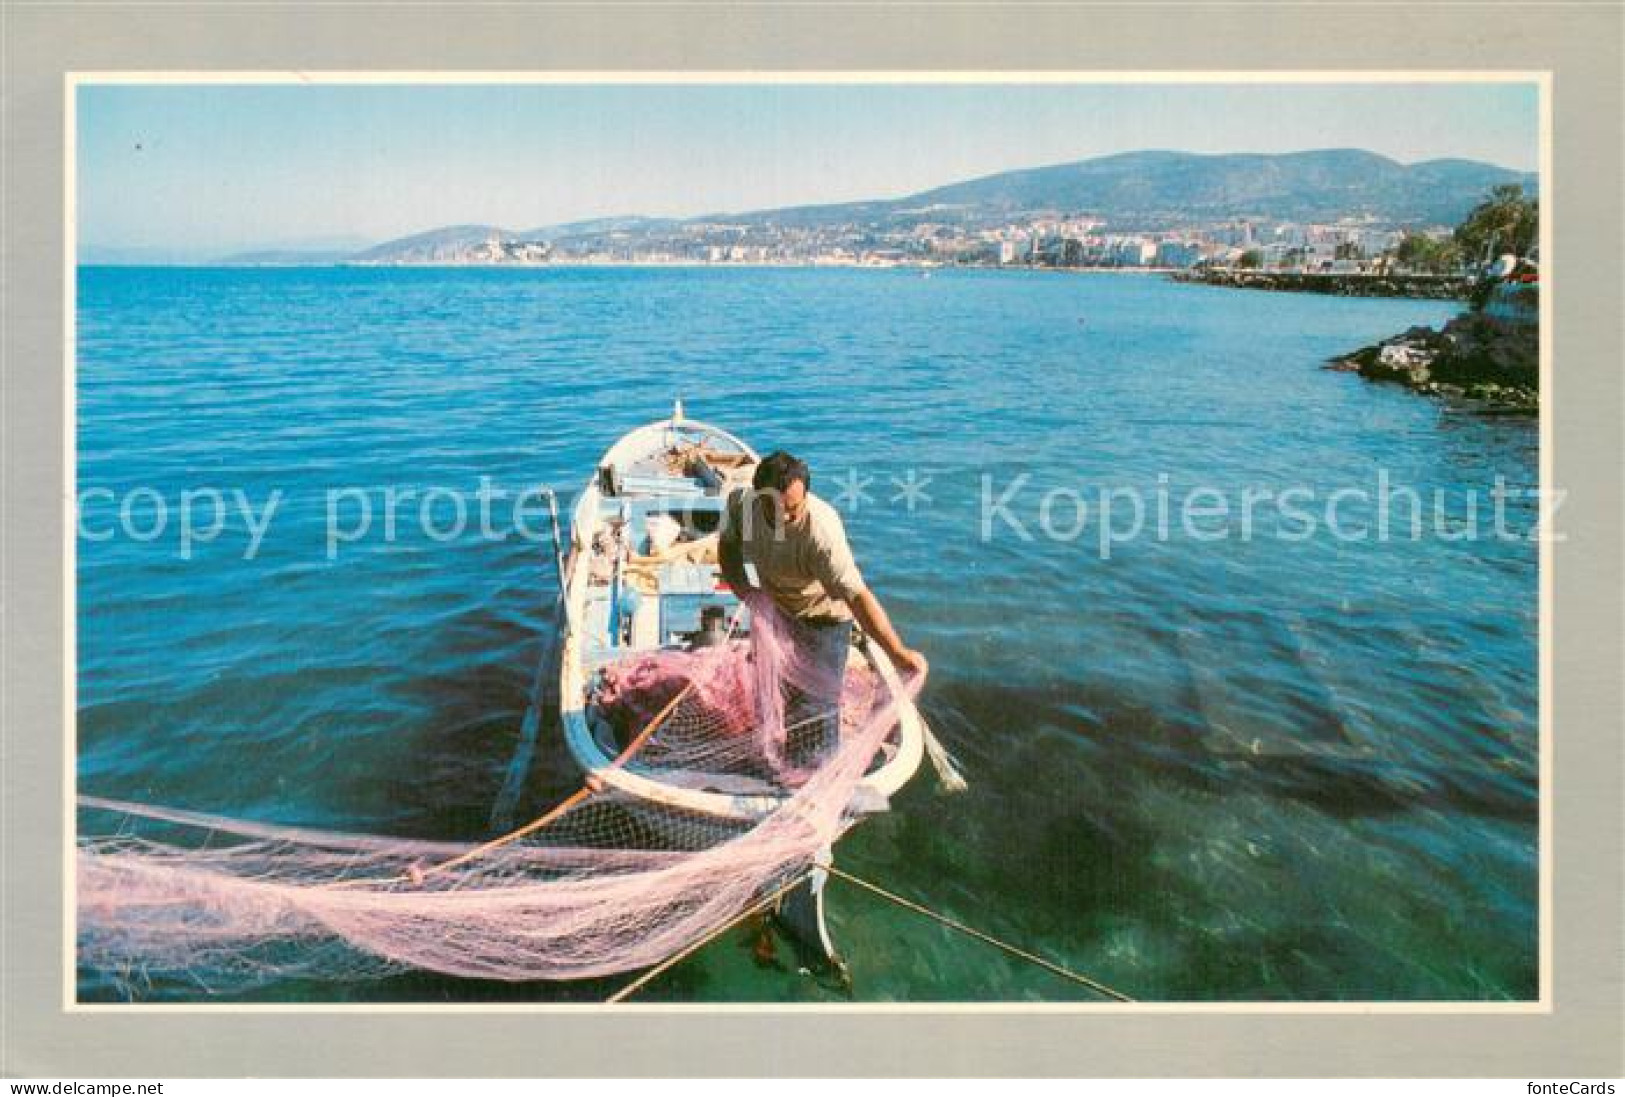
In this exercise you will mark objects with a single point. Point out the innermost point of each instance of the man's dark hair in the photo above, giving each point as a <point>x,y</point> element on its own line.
<point>779,470</point>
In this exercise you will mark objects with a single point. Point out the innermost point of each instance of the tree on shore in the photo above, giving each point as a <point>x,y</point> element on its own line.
<point>1506,221</point>
<point>1251,260</point>
<point>1426,253</point>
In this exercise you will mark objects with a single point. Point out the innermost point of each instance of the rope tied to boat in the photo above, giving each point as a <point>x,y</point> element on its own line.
<point>987,938</point>
<point>672,961</point>
<point>1103,989</point>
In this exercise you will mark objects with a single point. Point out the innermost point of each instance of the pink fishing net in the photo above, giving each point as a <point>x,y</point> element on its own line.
<point>614,883</point>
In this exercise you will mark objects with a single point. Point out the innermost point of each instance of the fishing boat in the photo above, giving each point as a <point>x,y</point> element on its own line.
<point>694,813</point>
<point>641,578</point>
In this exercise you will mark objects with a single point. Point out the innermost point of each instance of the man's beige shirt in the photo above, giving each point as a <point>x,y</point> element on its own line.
<point>807,566</point>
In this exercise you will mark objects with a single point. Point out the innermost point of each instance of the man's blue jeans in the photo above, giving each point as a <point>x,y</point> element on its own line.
<point>812,718</point>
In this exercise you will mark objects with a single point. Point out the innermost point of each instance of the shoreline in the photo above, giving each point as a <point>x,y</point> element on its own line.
<point>1415,287</point>
<point>1474,357</point>
<point>695,264</point>
<point>1430,287</point>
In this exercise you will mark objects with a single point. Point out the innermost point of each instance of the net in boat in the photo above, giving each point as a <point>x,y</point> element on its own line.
<point>611,883</point>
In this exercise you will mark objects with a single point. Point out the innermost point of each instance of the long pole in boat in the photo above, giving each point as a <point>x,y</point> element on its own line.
<point>617,578</point>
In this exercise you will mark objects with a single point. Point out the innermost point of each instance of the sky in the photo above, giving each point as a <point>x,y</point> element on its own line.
<point>206,170</point>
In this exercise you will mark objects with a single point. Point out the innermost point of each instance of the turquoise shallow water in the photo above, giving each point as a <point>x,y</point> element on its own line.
<point>1282,766</point>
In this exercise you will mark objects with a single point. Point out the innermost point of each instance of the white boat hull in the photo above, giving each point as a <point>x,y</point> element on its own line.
<point>595,634</point>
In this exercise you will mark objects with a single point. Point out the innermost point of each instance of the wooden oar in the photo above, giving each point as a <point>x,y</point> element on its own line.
<point>948,774</point>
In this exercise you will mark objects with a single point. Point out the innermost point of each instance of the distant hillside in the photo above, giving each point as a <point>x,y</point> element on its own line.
<point>601,226</point>
<point>1132,191</point>
<point>1166,188</point>
<point>435,246</point>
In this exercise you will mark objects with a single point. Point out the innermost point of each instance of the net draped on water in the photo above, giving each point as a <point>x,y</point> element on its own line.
<point>614,883</point>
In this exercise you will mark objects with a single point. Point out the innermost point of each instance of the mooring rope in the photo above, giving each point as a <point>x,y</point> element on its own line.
<point>1048,965</point>
<point>676,958</point>
<point>907,904</point>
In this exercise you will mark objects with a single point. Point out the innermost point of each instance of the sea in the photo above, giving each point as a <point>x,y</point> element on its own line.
<point>1237,653</point>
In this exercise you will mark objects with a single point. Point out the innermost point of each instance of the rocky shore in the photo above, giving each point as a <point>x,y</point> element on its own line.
<point>1430,286</point>
<point>1474,357</point>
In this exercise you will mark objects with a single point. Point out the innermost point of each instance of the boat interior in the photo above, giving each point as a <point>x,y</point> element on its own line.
<point>652,577</point>
<point>652,567</point>
<point>647,556</point>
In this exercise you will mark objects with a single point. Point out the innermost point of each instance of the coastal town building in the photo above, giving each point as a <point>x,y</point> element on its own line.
<point>1057,239</point>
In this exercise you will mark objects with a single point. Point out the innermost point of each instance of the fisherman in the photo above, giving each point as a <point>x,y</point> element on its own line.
<point>779,537</point>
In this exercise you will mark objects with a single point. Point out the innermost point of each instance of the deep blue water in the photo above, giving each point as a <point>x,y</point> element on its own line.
<point>1281,766</point>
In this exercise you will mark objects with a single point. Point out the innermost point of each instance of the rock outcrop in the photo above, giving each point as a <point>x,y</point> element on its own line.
<point>1473,358</point>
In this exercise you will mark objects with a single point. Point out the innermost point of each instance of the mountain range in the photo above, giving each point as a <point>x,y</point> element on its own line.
<point>1135,191</point>
<point>1168,188</point>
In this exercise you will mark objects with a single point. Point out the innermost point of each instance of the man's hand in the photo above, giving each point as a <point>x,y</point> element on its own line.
<point>874,622</point>
<point>912,664</point>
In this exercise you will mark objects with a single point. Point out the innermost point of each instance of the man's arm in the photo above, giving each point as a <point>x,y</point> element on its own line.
<point>730,554</point>
<point>834,567</point>
<point>730,563</point>
<point>871,617</point>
